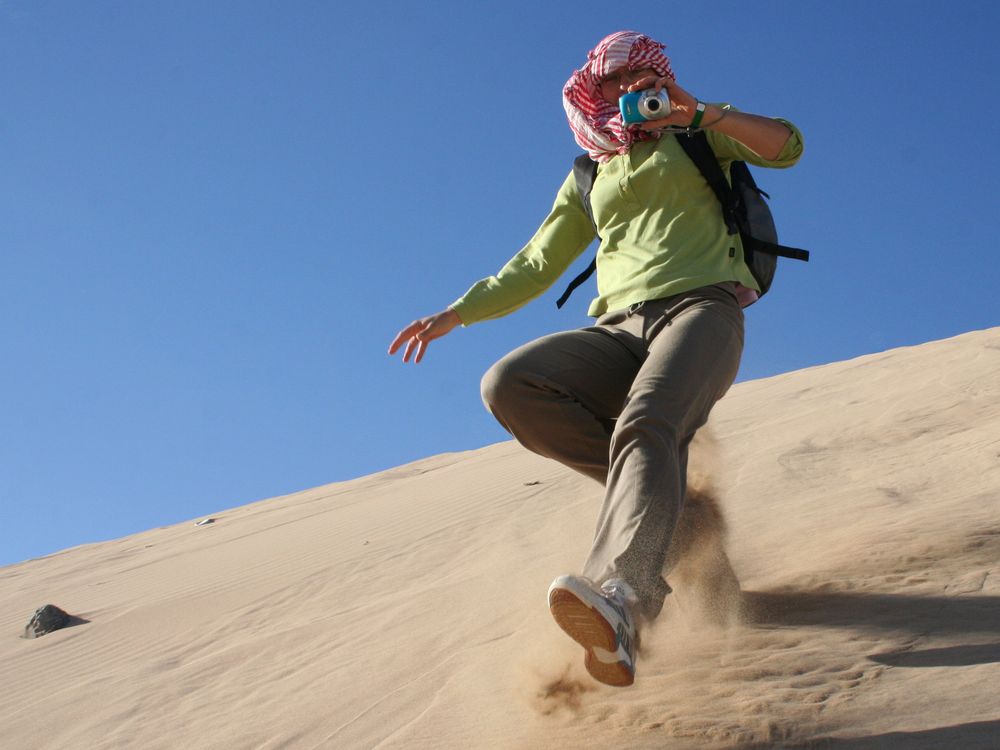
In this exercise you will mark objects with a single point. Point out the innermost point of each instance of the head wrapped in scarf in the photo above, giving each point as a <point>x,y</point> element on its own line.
<point>597,124</point>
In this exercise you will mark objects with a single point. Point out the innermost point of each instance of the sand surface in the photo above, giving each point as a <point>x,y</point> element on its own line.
<point>407,609</point>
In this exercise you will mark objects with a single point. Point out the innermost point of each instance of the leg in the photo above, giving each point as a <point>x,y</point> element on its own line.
<point>695,343</point>
<point>559,395</point>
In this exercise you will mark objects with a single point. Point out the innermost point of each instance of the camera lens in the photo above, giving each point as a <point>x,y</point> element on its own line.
<point>653,105</point>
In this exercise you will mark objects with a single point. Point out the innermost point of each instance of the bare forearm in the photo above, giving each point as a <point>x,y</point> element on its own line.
<point>762,135</point>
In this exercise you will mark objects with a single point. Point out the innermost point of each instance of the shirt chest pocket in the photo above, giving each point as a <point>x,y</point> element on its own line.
<point>668,181</point>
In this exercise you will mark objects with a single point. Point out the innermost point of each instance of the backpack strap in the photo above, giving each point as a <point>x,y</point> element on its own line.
<point>697,148</point>
<point>576,282</point>
<point>585,172</point>
<point>772,248</point>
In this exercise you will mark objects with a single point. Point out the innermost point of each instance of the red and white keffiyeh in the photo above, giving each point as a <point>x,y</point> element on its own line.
<point>597,124</point>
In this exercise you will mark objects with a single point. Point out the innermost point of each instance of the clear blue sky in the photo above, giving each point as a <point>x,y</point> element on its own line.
<point>215,217</point>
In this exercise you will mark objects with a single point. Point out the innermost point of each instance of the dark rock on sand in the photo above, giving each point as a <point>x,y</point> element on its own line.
<point>45,620</point>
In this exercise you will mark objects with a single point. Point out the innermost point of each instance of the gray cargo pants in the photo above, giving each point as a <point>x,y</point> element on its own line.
<point>620,401</point>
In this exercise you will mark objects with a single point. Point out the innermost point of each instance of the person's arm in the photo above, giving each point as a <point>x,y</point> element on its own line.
<point>560,239</point>
<point>762,135</point>
<point>563,235</point>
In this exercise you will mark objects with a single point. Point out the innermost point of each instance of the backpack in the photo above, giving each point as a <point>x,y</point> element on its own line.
<point>743,209</point>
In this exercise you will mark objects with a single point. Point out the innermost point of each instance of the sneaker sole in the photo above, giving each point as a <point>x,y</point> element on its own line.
<point>586,626</point>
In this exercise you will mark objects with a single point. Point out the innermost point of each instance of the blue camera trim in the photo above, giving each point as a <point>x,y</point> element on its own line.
<point>635,106</point>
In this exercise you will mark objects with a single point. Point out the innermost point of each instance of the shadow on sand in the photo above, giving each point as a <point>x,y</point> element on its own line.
<point>976,735</point>
<point>952,656</point>
<point>867,612</point>
<point>915,615</point>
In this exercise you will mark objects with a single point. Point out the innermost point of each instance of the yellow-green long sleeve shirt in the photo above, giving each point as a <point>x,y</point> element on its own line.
<point>661,229</point>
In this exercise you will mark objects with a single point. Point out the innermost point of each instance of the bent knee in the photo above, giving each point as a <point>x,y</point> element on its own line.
<point>496,385</point>
<point>508,383</point>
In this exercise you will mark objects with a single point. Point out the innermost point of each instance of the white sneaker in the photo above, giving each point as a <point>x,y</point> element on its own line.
<point>599,620</point>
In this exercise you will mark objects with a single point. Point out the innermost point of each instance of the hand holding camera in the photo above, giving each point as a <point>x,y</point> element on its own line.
<point>654,102</point>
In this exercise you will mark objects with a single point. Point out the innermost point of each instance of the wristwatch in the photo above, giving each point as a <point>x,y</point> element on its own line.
<point>699,112</point>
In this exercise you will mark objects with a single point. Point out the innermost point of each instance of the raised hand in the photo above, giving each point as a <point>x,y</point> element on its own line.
<point>421,332</point>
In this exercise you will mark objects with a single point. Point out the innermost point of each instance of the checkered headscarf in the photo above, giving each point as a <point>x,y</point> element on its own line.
<point>597,124</point>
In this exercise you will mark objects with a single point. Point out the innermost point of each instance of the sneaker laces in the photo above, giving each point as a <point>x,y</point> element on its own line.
<point>618,590</point>
<point>624,596</point>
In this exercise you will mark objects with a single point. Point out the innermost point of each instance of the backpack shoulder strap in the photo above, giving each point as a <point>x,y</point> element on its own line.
<point>696,146</point>
<point>585,172</point>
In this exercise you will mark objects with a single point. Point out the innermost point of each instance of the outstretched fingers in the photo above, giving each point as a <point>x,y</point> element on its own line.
<point>405,335</point>
<point>421,332</point>
<point>415,344</point>
<point>413,337</point>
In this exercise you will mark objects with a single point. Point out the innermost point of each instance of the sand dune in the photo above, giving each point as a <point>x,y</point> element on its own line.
<point>407,609</point>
